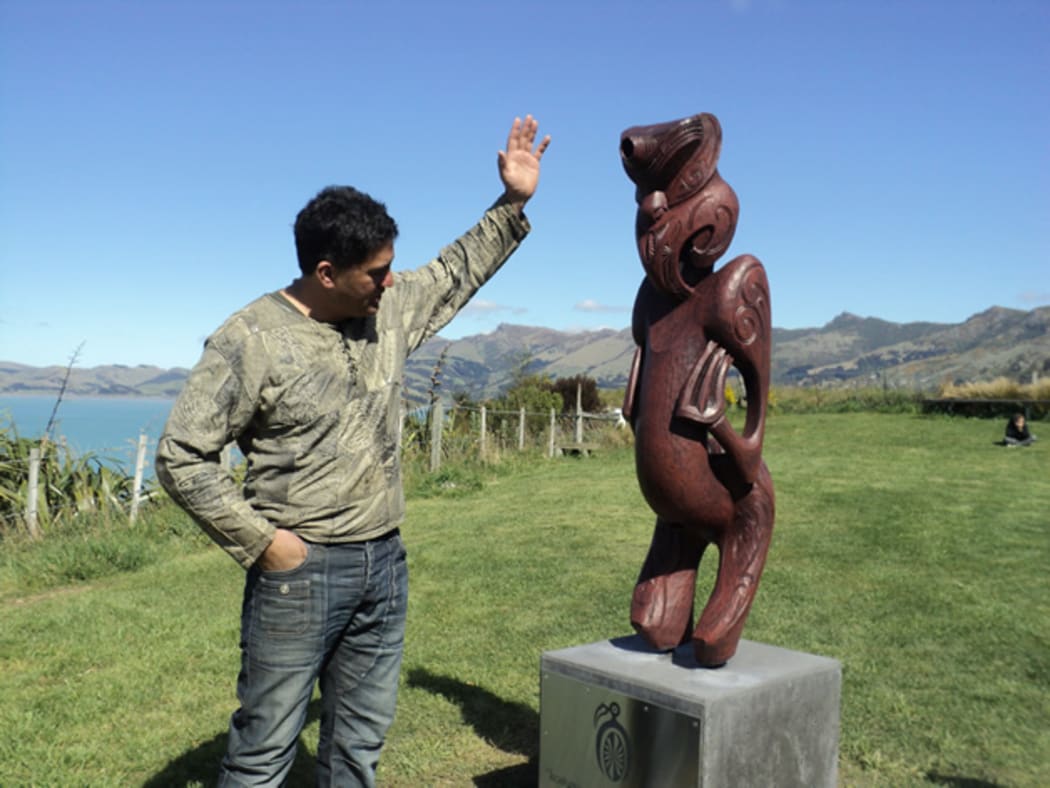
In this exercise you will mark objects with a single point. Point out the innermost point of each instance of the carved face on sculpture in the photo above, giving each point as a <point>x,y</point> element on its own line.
<point>686,212</point>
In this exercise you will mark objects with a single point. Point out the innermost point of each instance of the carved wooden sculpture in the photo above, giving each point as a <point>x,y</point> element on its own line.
<point>705,480</point>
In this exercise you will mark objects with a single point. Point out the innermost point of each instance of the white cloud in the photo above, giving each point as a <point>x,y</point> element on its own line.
<point>590,305</point>
<point>479,307</point>
<point>575,329</point>
<point>1034,297</point>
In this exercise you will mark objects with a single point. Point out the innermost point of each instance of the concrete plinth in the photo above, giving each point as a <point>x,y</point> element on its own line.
<point>617,713</point>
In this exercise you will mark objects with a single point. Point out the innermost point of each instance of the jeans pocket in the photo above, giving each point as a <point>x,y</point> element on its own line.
<point>282,605</point>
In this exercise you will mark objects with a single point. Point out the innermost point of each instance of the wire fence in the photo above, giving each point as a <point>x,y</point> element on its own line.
<point>456,433</point>
<point>460,432</point>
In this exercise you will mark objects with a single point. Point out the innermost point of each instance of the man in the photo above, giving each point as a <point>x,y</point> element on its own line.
<point>308,382</point>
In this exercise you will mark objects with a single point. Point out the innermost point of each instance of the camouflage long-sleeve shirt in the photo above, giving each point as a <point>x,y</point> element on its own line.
<point>315,407</point>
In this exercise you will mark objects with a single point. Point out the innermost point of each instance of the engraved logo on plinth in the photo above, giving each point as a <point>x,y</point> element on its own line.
<point>611,744</point>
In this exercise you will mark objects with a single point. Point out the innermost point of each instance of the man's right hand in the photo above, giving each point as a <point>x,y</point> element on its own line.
<point>519,164</point>
<point>286,551</point>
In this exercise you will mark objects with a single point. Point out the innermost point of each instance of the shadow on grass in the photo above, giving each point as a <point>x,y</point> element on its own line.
<point>954,781</point>
<point>512,727</point>
<point>201,764</point>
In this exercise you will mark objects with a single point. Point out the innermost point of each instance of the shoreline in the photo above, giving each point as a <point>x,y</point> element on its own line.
<point>80,396</point>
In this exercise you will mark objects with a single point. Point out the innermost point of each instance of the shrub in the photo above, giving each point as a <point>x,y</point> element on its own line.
<point>972,398</point>
<point>815,399</point>
<point>68,486</point>
<point>590,400</point>
<point>999,388</point>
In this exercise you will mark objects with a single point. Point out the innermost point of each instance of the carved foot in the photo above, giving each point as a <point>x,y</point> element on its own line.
<point>662,603</point>
<point>742,556</point>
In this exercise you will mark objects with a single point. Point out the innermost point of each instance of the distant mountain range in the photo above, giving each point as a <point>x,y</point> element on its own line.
<point>850,350</point>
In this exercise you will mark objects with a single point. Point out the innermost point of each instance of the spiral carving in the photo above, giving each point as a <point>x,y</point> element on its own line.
<point>713,212</point>
<point>751,319</point>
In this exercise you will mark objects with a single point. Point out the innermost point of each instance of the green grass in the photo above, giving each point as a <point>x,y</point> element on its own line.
<point>912,549</point>
<point>94,545</point>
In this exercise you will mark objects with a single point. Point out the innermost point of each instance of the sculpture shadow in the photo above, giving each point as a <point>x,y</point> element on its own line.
<point>634,643</point>
<point>201,764</point>
<point>954,781</point>
<point>511,727</point>
<point>682,657</point>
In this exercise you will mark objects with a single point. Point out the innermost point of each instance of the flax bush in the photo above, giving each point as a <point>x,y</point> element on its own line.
<point>69,485</point>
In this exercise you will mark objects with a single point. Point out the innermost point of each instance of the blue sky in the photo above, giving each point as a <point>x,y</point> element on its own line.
<point>891,158</point>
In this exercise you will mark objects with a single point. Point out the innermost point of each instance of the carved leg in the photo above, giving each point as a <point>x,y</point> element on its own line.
<point>742,555</point>
<point>662,604</point>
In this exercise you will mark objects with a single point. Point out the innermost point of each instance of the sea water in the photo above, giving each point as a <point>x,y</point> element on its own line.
<point>107,427</point>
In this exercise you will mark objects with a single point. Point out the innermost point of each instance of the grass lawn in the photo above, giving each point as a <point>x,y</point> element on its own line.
<point>912,549</point>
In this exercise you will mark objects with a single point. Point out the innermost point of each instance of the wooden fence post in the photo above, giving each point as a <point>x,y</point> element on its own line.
<point>136,489</point>
<point>437,418</point>
<point>579,413</point>
<point>521,429</point>
<point>33,493</point>
<point>550,442</point>
<point>482,441</point>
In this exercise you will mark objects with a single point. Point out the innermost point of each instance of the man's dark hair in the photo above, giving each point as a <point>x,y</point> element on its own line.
<point>343,226</point>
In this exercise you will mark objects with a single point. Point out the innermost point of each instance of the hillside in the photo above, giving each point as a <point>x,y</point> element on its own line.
<point>997,342</point>
<point>483,365</point>
<point>849,350</point>
<point>105,381</point>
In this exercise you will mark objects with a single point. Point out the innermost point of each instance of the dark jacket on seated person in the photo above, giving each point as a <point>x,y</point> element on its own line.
<point>1017,431</point>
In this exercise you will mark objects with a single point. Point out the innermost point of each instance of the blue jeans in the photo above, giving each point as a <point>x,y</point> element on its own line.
<point>339,618</point>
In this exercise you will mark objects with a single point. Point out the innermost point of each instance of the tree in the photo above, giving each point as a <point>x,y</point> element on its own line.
<point>533,392</point>
<point>590,400</point>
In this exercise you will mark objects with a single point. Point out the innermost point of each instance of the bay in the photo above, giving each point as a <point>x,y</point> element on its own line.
<point>107,427</point>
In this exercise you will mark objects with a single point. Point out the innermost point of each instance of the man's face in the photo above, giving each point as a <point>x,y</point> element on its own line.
<point>356,291</point>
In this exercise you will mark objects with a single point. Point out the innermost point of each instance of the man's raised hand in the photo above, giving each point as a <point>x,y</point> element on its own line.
<point>519,164</point>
